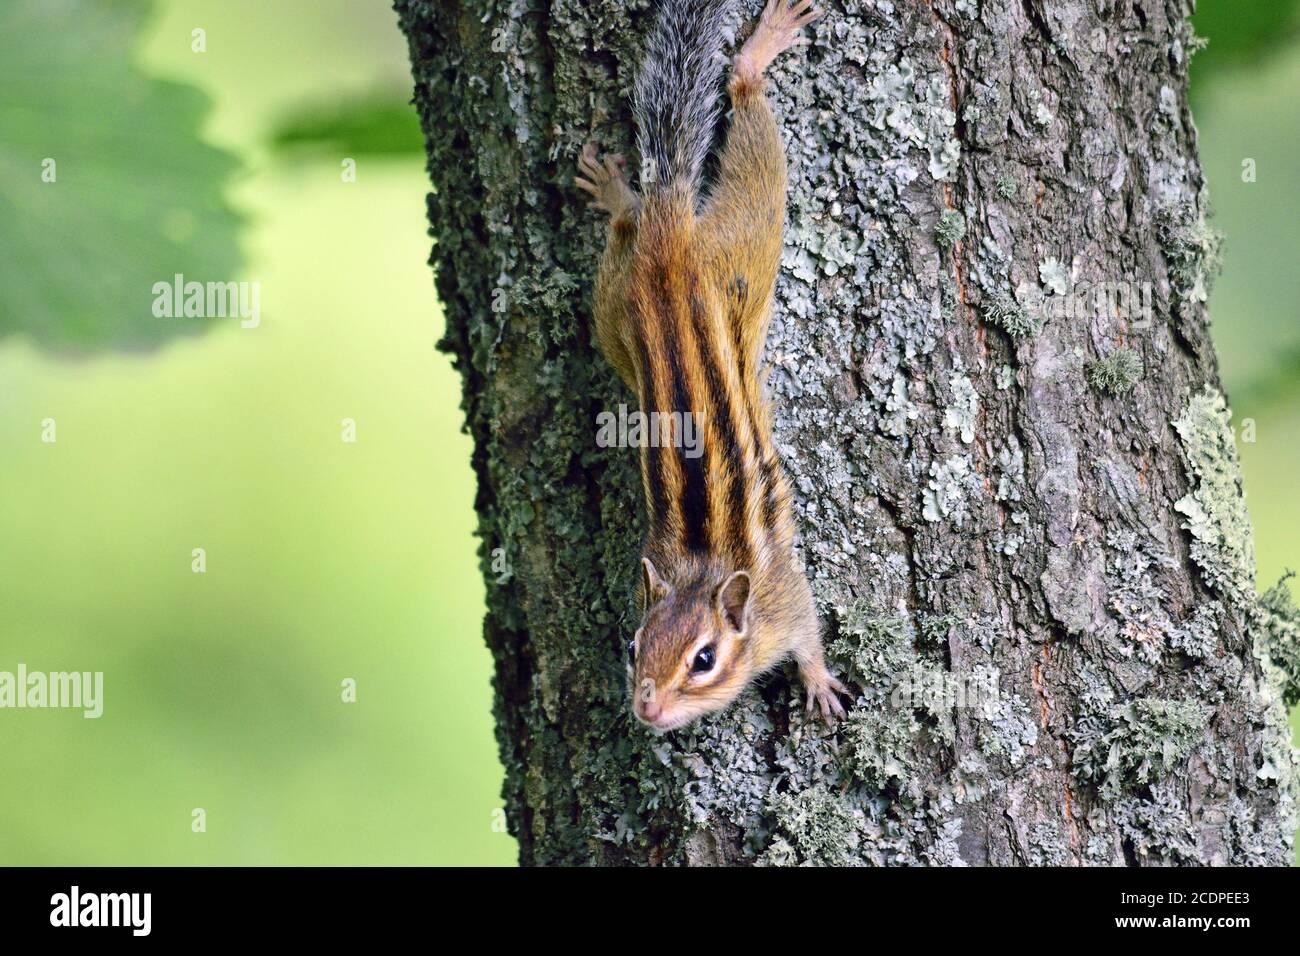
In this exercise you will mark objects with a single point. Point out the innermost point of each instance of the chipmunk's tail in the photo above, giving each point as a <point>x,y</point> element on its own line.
<point>678,92</point>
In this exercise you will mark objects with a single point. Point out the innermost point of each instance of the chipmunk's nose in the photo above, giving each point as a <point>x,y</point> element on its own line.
<point>650,710</point>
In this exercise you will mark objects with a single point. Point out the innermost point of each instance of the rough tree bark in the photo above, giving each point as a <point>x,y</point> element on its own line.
<point>1019,503</point>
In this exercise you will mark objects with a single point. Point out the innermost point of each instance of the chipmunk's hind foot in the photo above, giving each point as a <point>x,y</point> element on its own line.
<point>603,179</point>
<point>778,30</point>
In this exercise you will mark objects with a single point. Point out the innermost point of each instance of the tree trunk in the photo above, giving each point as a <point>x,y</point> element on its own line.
<point>1017,488</point>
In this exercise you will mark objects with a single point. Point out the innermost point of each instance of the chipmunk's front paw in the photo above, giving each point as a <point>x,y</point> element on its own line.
<point>603,179</point>
<point>824,692</point>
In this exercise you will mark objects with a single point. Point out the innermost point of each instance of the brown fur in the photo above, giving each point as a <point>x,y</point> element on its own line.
<point>682,303</point>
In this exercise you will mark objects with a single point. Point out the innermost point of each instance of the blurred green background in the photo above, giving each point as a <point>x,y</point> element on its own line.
<point>329,560</point>
<point>325,560</point>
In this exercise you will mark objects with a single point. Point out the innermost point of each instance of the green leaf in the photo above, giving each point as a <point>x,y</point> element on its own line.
<point>1240,32</point>
<point>377,124</point>
<point>136,197</point>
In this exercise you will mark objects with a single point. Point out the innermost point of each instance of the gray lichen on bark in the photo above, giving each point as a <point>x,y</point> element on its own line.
<point>973,515</point>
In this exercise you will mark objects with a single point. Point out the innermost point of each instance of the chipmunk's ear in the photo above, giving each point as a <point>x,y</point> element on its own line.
<point>733,601</point>
<point>653,586</point>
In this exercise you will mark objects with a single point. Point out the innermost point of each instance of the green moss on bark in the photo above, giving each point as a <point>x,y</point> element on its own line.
<point>1215,510</point>
<point>1137,742</point>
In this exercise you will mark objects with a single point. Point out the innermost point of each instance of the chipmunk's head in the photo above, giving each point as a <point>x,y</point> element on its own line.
<point>691,654</point>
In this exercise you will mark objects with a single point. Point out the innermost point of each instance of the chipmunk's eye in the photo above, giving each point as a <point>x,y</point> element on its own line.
<point>703,660</point>
<point>631,648</point>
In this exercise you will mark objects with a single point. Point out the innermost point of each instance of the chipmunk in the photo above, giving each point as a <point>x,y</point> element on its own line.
<point>682,302</point>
